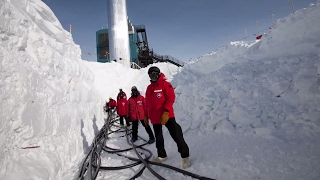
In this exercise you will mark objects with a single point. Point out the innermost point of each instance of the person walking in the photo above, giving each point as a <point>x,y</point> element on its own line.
<point>122,107</point>
<point>160,97</point>
<point>135,112</point>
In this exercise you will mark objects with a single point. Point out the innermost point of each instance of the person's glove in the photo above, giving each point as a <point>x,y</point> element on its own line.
<point>146,120</point>
<point>164,118</point>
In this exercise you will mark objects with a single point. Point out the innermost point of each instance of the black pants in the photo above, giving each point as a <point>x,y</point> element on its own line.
<point>176,134</point>
<point>135,125</point>
<point>121,120</point>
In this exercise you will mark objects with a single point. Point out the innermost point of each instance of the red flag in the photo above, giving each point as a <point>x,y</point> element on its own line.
<point>30,147</point>
<point>258,37</point>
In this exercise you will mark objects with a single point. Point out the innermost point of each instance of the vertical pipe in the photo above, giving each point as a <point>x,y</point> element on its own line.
<point>118,32</point>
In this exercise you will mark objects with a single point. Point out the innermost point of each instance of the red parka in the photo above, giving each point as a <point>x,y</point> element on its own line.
<point>159,98</point>
<point>112,103</point>
<point>122,106</point>
<point>136,107</point>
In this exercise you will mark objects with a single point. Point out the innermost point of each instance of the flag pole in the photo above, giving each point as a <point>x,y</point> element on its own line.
<point>245,32</point>
<point>271,15</point>
<point>292,7</point>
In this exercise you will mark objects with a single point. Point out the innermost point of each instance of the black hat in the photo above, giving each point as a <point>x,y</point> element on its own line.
<point>153,69</point>
<point>134,91</point>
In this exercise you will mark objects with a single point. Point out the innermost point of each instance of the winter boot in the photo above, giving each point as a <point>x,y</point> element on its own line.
<point>186,163</point>
<point>159,159</point>
<point>151,141</point>
<point>134,139</point>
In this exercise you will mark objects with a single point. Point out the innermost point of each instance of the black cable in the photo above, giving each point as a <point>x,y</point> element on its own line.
<point>181,171</point>
<point>92,162</point>
<point>144,161</point>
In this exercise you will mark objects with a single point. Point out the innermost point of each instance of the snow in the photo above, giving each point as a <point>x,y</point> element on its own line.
<point>250,110</point>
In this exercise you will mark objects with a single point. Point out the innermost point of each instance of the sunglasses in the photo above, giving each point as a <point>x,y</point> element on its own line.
<point>153,73</point>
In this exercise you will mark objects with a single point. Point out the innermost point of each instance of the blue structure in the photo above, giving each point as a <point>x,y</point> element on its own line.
<point>102,44</point>
<point>133,39</point>
<point>139,48</point>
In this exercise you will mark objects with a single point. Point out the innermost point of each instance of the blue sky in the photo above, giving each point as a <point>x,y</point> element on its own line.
<point>183,29</point>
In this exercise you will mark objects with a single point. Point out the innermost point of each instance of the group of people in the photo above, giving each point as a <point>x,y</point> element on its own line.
<point>157,106</point>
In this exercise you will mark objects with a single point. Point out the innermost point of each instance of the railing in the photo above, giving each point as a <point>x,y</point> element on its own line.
<point>134,65</point>
<point>168,58</point>
<point>139,27</point>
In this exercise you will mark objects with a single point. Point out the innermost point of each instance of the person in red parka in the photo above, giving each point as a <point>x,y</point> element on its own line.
<point>160,97</point>
<point>122,107</point>
<point>110,106</point>
<point>135,112</point>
